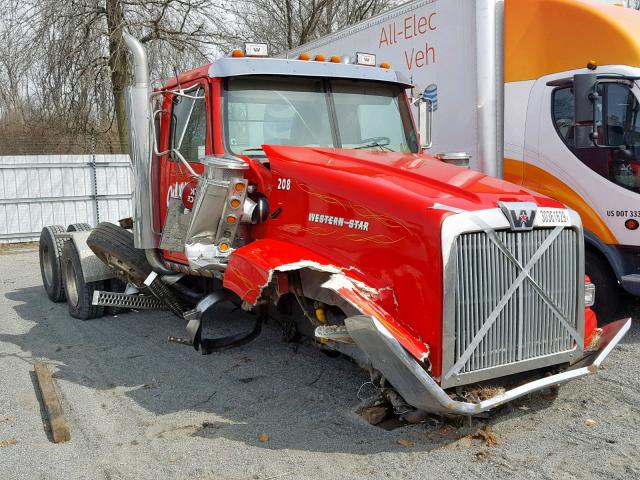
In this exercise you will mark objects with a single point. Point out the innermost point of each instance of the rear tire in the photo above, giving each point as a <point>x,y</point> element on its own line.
<point>50,251</point>
<point>114,246</point>
<point>607,291</point>
<point>79,227</point>
<point>79,293</point>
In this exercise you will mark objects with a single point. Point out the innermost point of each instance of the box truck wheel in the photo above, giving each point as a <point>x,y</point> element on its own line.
<point>78,292</point>
<point>607,292</point>
<point>50,251</point>
<point>79,227</point>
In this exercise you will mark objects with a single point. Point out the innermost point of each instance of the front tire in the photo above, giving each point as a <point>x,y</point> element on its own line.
<point>607,291</point>
<point>50,252</point>
<point>114,246</point>
<point>79,293</point>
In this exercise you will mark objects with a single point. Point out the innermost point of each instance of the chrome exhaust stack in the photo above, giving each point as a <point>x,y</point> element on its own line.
<point>138,113</point>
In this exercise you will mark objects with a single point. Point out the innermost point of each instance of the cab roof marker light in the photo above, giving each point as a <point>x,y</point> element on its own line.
<point>320,58</point>
<point>256,50</point>
<point>366,59</point>
<point>335,59</point>
<point>385,65</point>
<point>304,56</point>
<point>237,53</point>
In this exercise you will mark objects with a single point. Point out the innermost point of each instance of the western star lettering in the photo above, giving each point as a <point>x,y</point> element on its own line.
<point>339,221</point>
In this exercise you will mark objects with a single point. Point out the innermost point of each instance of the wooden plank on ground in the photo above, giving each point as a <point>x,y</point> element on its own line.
<point>57,420</point>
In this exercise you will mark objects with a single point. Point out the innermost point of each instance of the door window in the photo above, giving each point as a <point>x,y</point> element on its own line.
<point>617,153</point>
<point>189,124</point>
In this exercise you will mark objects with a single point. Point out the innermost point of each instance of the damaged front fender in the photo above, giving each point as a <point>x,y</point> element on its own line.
<point>252,267</point>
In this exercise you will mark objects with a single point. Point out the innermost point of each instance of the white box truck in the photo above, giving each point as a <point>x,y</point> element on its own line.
<point>503,81</point>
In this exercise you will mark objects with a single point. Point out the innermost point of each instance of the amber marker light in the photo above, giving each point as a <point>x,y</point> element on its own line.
<point>335,59</point>
<point>239,187</point>
<point>592,65</point>
<point>304,56</point>
<point>223,246</point>
<point>231,219</point>
<point>234,203</point>
<point>385,65</point>
<point>632,224</point>
<point>237,53</point>
<point>320,58</point>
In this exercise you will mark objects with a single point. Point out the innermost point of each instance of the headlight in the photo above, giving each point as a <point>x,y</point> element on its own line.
<point>589,294</point>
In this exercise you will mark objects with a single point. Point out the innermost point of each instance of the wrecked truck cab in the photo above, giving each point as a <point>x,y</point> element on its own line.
<point>449,286</point>
<point>301,186</point>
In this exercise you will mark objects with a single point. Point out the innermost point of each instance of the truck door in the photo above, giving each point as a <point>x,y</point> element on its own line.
<point>601,182</point>
<point>186,129</point>
<point>577,177</point>
<point>605,176</point>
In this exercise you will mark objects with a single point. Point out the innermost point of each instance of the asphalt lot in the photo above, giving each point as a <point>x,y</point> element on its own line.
<point>141,407</point>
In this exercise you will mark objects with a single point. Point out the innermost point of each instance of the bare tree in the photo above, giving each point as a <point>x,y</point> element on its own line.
<point>63,64</point>
<point>285,24</point>
<point>77,66</point>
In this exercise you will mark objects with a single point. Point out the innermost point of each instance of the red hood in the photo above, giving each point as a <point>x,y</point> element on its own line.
<point>423,175</point>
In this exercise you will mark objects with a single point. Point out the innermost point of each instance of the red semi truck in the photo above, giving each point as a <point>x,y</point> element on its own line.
<point>298,188</point>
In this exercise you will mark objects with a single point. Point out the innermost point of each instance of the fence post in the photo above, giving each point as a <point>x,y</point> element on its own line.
<point>95,178</point>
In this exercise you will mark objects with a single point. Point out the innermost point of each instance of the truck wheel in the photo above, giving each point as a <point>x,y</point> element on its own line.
<point>607,291</point>
<point>50,251</point>
<point>79,293</point>
<point>114,246</point>
<point>79,227</point>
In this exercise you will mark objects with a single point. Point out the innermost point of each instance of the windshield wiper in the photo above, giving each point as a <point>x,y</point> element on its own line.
<point>374,144</point>
<point>256,149</point>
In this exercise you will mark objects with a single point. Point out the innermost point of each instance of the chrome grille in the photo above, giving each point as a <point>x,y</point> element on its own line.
<point>526,328</point>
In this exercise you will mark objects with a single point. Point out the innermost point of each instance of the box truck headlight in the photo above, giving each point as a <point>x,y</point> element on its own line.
<point>589,294</point>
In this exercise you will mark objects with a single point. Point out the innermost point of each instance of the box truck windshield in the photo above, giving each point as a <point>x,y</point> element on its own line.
<point>316,112</point>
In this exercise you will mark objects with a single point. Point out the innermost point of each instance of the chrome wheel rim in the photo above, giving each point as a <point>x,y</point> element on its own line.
<point>47,265</point>
<point>70,282</point>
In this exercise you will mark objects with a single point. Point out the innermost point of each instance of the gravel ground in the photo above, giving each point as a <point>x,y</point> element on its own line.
<point>141,407</point>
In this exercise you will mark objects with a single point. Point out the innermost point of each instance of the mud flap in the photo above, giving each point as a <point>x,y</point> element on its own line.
<point>209,345</point>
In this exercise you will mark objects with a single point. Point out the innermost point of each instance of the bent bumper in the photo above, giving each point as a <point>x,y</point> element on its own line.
<point>420,390</point>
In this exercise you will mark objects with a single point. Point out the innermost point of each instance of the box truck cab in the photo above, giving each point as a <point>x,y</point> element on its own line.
<point>495,80</point>
<point>591,164</point>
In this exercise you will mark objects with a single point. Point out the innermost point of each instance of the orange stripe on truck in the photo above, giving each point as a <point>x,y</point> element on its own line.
<point>550,36</point>
<point>541,181</point>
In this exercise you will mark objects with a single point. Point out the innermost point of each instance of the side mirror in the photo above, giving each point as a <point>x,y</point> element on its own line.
<point>425,122</point>
<point>585,97</point>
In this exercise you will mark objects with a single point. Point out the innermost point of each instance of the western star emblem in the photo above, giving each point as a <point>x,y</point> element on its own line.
<point>520,214</point>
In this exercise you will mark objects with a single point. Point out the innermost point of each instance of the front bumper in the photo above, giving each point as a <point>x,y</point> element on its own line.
<point>420,390</point>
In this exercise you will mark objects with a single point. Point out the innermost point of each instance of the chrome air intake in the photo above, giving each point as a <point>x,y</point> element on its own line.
<point>139,124</point>
<point>217,210</point>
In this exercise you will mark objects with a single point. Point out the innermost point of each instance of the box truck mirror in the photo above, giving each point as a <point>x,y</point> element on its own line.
<point>584,92</point>
<point>425,122</point>
<point>585,96</point>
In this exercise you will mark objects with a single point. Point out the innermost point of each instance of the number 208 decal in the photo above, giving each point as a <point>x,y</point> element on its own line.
<point>284,184</point>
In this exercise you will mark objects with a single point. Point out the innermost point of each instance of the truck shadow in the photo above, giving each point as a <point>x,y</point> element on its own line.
<point>299,397</point>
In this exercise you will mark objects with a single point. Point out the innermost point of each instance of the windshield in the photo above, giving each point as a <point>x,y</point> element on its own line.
<point>316,112</point>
